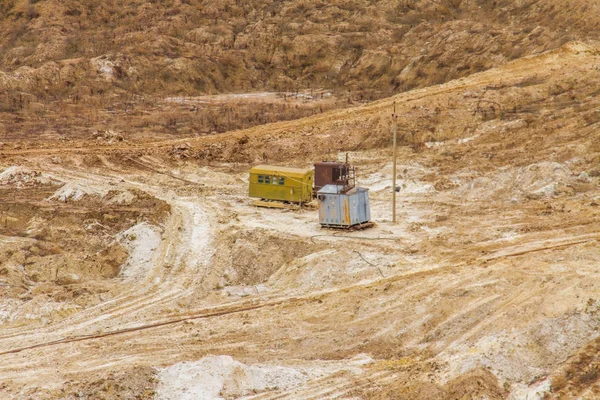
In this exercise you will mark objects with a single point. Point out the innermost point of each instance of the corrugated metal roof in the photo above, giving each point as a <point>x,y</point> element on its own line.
<point>357,189</point>
<point>331,189</point>
<point>335,189</point>
<point>276,170</point>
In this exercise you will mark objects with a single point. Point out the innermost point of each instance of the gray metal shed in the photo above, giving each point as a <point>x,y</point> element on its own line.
<point>343,209</point>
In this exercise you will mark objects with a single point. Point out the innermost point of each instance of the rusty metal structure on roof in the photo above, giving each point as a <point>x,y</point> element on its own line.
<point>334,173</point>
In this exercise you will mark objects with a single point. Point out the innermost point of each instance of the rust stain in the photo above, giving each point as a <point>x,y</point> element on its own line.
<point>346,212</point>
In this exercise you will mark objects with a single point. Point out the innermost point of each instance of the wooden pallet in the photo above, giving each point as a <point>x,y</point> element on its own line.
<point>275,204</point>
<point>357,227</point>
<point>310,206</point>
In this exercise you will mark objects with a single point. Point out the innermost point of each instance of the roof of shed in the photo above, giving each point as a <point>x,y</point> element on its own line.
<point>284,171</point>
<point>339,189</point>
<point>331,189</point>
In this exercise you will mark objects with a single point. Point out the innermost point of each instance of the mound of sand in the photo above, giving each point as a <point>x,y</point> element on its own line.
<point>220,377</point>
<point>21,176</point>
<point>73,191</point>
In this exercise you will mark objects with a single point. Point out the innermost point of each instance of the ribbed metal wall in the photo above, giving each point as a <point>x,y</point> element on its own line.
<point>343,209</point>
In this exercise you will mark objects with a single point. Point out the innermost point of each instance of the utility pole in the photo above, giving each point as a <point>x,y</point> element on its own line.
<point>395,120</point>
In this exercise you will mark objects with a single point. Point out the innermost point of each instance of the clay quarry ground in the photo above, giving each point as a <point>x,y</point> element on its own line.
<point>138,269</point>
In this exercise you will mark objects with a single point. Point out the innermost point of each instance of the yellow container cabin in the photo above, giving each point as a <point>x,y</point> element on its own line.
<point>271,182</point>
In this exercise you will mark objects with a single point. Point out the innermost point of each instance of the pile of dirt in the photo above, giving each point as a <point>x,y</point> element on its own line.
<point>19,176</point>
<point>108,136</point>
<point>222,377</point>
<point>181,151</point>
<point>73,191</point>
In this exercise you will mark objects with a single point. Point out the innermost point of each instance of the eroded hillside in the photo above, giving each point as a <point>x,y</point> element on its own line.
<point>198,46</point>
<point>69,69</point>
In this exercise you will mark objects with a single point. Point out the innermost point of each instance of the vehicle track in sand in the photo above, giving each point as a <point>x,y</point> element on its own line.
<point>287,302</point>
<point>148,292</point>
<point>141,297</point>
